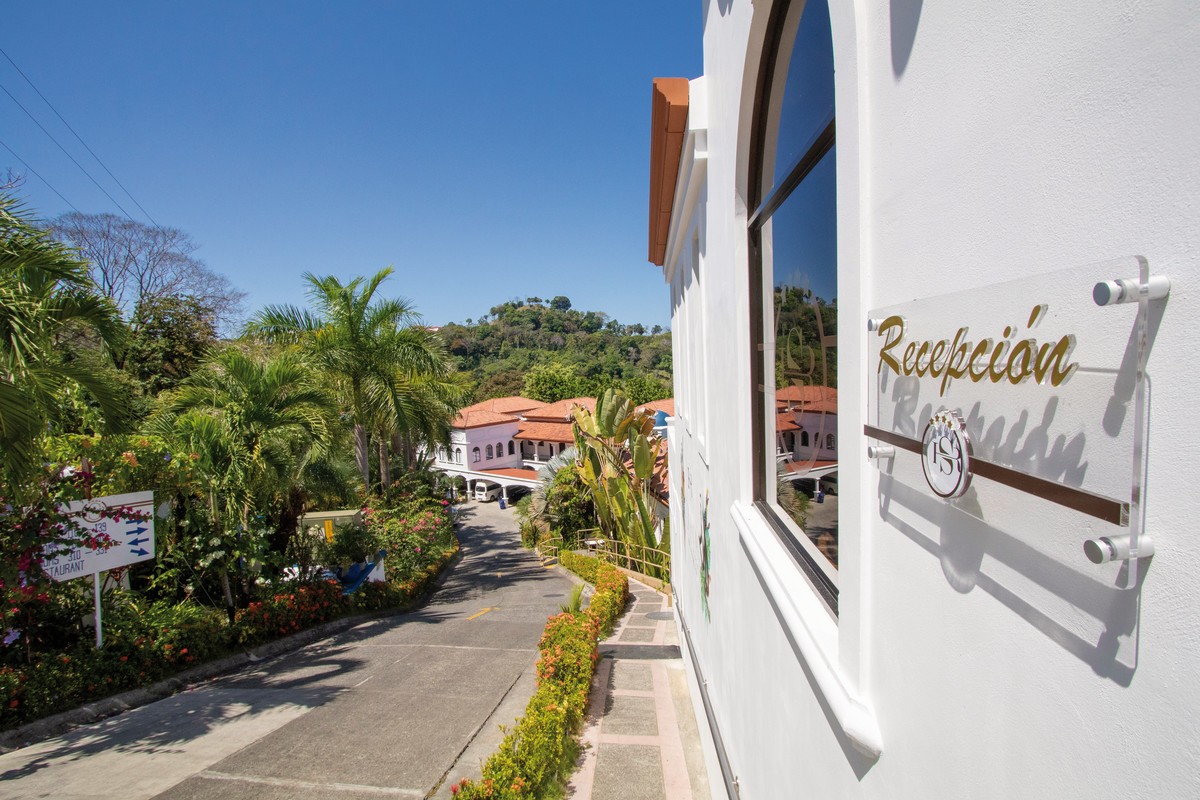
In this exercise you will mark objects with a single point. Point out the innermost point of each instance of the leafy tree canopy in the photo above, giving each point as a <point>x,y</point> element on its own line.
<point>549,351</point>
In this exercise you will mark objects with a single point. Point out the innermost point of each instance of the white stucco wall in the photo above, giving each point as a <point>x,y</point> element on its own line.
<point>498,436</point>
<point>975,144</point>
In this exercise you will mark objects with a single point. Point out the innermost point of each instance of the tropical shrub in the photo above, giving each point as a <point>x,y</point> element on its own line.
<point>142,644</point>
<point>620,460</point>
<point>351,543</point>
<point>289,608</point>
<point>414,534</point>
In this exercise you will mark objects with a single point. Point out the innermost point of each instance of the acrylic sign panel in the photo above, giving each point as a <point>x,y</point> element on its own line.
<point>1043,380</point>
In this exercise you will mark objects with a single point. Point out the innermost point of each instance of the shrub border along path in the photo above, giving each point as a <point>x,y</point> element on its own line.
<point>538,753</point>
<point>60,723</point>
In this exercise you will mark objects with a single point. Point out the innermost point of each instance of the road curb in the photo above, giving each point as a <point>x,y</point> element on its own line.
<point>65,721</point>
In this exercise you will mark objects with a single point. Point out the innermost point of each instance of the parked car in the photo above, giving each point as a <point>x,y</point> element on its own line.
<point>829,483</point>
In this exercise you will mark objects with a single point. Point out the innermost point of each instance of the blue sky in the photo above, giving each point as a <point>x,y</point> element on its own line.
<point>486,150</point>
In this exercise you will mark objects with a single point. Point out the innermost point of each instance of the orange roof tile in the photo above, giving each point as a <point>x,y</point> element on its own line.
<point>668,122</point>
<point>819,407</point>
<point>785,422</point>
<point>805,394</point>
<point>546,432</point>
<point>506,405</point>
<point>667,405</point>
<point>477,418</point>
<point>560,411</point>
<point>512,472</point>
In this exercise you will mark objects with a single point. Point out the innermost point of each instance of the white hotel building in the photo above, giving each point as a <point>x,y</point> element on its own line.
<point>949,252</point>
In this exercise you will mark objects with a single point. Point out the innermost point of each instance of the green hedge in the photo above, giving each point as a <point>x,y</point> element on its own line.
<point>539,751</point>
<point>141,646</point>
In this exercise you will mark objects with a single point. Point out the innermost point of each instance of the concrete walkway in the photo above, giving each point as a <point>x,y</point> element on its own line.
<point>394,707</point>
<point>641,741</point>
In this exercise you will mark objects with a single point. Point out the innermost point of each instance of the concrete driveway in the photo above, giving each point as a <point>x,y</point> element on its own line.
<point>398,707</point>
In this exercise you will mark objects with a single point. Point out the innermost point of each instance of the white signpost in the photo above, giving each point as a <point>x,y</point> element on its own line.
<point>127,520</point>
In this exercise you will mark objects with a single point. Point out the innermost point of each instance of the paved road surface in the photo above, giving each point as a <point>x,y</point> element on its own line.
<point>385,709</point>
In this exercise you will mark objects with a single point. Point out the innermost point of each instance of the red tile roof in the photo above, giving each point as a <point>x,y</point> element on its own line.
<point>805,394</point>
<point>546,432</point>
<point>507,405</point>
<point>819,406</point>
<point>668,124</point>
<point>478,418</point>
<point>512,472</point>
<point>667,405</point>
<point>493,411</point>
<point>560,411</point>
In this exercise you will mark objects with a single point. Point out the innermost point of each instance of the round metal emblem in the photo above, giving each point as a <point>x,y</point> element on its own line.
<point>946,454</point>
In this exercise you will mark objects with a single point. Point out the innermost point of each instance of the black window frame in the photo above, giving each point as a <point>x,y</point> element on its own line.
<point>765,203</point>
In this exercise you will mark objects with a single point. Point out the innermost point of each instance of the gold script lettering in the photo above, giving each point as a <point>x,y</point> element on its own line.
<point>989,360</point>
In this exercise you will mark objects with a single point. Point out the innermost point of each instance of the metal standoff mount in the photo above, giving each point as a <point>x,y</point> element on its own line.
<point>1103,549</point>
<point>881,452</point>
<point>1130,290</point>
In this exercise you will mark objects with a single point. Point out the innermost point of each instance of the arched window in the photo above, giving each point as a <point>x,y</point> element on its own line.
<point>829,441</point>
<point>489,452</point>
<point>804,438</point>
<point>458,455</point>
<point>475,454</point>
<point>793,252</point>
<point>511,448</point>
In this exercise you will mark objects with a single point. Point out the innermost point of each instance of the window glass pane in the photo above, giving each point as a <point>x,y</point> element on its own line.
<point>800,250</point>
<point>806,104</point>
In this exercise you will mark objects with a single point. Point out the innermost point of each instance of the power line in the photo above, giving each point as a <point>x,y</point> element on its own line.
<point>36,173</point>
<point>77,136</point>
<point>68,155</point>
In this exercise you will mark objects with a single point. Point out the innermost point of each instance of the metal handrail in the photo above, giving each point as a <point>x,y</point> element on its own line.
<point>650,560</point>
<point>549,548</point>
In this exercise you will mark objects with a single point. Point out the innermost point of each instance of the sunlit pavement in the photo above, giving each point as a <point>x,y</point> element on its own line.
<point>641,741</point>
<point>399,706</point>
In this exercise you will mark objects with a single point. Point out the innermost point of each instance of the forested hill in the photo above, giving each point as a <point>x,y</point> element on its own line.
<point>546,350</point>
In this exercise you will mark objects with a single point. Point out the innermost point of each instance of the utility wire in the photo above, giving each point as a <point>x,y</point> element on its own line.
<point>68,155</point>
<point>39,176</point>
<point>77,136</point>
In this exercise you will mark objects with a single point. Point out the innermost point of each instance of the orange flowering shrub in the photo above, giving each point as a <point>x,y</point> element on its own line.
<point>142,643</point>
<point>298,607</point>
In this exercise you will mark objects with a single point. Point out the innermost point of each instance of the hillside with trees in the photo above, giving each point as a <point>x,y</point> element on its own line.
<point>549,351</point>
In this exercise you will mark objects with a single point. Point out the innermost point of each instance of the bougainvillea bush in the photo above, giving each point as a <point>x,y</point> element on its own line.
<point>538,752</point>
<point>415,533</point>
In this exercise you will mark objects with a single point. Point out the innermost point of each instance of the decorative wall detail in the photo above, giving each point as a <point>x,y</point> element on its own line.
<point>946,454</point>
<point>705,558</point>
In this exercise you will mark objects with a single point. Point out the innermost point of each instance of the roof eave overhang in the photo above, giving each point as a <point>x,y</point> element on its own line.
<point>668,124</point>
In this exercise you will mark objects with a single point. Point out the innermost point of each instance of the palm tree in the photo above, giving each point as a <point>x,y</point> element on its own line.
<point>46,293</point>
<point>254,424</point>
<point>393,374</point>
